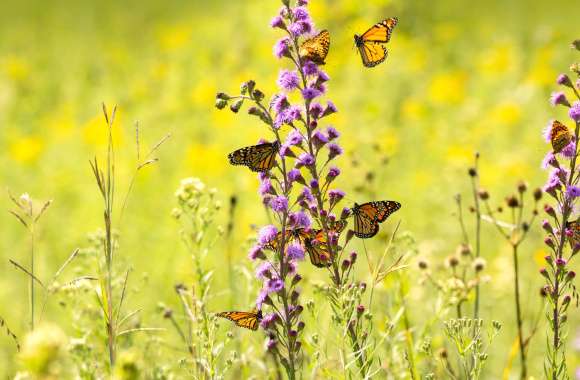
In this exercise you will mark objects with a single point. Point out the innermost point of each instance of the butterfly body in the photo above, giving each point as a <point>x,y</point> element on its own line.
<point>574,239</point>
<point>560,136</point>
<point>369,44</point>
<point>367,216</point>
<point>258,158</point>
<point>247,319</point>
<point>315,49</point>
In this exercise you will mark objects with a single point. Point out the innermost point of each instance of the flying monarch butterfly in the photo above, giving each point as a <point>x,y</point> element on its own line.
<point>574,240</point>
<point>368,216</point>
<point>259,158</point>
<point>316,48</point>
<point>246,319</point>
<point>317,246</point>
<point>369,44</point>
<point>560,136</point>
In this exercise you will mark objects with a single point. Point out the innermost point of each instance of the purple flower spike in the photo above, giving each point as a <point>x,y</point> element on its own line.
<point>332,133</point>
<point>295,252</point>
<point>334,150</point>
<point>302,2</point>
<point>572,192</point>
<point>345,213</point>
<point>282,47</point>
<point>267,234</point>
<point>277,22</point>
<point>564,80</point>
<point>294,137</point>
<point>301,27</point>
<point>264,271</point>
<point>288,80</point>
<point>279,203</point>
<point>268,322</point>
<point>333,172</point>
<point>294,175</point>
<point>307,195</point>
<point>274,285</point>
<point>310,93</point>
<point>336,195</point>
<point>549,160</point>
<point>256,253</point>
<point>261,299</point>
<point>310,68</point>
<point>266,187</point>
<point>305,159</point>
<point>569,150</point>
<point>301,220</point>
<point>574,112</point>
<point>319,139</point>
<point>559,98</point>
<point>316,110</point>
<point>300,13</point>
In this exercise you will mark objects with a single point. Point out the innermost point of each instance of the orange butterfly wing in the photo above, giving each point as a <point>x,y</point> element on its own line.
<point>560,136</point>
<point>247,319</point>
<point>316,48</point>
<point>259,158</point>
<point>368,216</point>
<point>381,31</point>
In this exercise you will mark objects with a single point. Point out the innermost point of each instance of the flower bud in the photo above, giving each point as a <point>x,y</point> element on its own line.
<point>220,104</point>
<point>547,226</point>
<point>549,210</point>
<point>549,242</point>
<point>522,187</point>
<point>360,309</point>
<point>423,264</point>
<point>544,273</point>
<point>537,194</point>
<point>483,194</point>
<point>472,172</point>
<point>561,262</point>
<point>512,201</point>
<point>235,106</point>
<point>564,80</point>
<point>570,275</point>
<point>296,279</point>
<point>345,264</point>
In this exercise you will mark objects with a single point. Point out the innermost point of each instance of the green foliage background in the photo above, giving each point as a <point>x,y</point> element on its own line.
<point>460,78</point>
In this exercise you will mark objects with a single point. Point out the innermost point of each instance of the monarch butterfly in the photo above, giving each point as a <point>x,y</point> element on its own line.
<point>246,319</point>
<point>369,44</point>
<point>317,246</point>
<point>574,240</point>
<point>316,48</point>
<point>368,216</point>
<point>300,235</point>
<point>560,136</point>
<point>259,158</point>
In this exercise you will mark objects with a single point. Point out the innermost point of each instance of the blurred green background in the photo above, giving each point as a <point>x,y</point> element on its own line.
<point>460,78</point>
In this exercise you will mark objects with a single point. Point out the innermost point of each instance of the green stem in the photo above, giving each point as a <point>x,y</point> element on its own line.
<point>32,277</point>
<point>524,370</point>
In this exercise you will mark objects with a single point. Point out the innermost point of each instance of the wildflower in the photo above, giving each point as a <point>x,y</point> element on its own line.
<point>547,226</point>
<point>282,47</point>
<point>316,110</point>
<point>574,111</point>
<point>330,109</point>
<point>332,133</point>
<point>294,138</point>
<point>549,160</point>
<point>305,159</point>
<point>561,262</point>
<point>288,80</point>
<point>537,194</point>
<point>277,22</point>
<point>256,253</point>
<point>267,234</point>
<point>300,220</point>
<point>564,80</point>
<point>569,150</point>
<point>479,264</point>
<point>333,172</point>
<point>271,344</point>
<point>266,187</point>
<point>285,151</point>
<point>262,299</point>
<point>423,264</point>
<point>280,103</point>
<point>300,13</point>
<point>472,172</point>
<point>264,271</point>
<point>301,27</point>
<point>319,139</point>
<point>512,201</point>
<point>274,285</point>
<point>279,203</point>
<point>310,68</point>
<point>572,192</point>
<point>310,93</point>
<point>570,275</point>
<point>335,196</point>
<point>269,320</point>
<point>295,252</point>
<point>334,150</point>
<point>322,77</point>
<point>314,184</point>
<point>295,175</point>
<point>307,195</point>
<point>559,98</point>
<point>451,261</point>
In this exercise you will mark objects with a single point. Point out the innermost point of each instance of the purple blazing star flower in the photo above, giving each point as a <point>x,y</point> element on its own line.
<point>574,112</point>
<point>300,220</point>
<point>333,172</point>
<point>291,267</point>
<point>335,195</point>
<point>319,139</point>
<point>279,203</point>
<point>294,175</point>
<point>277,22</point>
<point>314,184</point>
<point>294,137</point>
<point>282,47</point>
<point>321,87</point>
<point>300,13</point>
<point>552,185</point>
<point>305,159</point>
<point>547,131</point>
<point>285,151</point>
<point>268,322</point>
<point>334,150</point>
<point>256,253</point>
<point>572,192</point>
<point>307,195</point>
<point>558,98</point>
<point>316,110</point>
<point>288,116</point>
<point>330,109</point>
<point>280,103</point>
<point>267,234</point>
<point>295,252</point>
<point>322,77</point>
<point>563,80</point>
<point>266,187</point>
<point>549,160</point>
<point>310,68</point>
<point>288,80</point>
<point>301,27</point>
<point>310,93</point>
<point>569,150</point>
<point>262,296</point>
<point>302,2</point>
<point>274,285</point>
<point>345,213</point>
<point>332,133</point>
<point>264,271</point>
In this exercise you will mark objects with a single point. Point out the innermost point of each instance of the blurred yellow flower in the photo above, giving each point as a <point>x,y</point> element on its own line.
<point>16,68</point>
<point>206,160</point>
<point>507,113</point>
<point>203,94</point>
<point>448,88</point>
<point>446,31</point>
<point>26,149</point>
<point>459,154</point>
<point>174,37</point>
<point>413,109</point>
<point>43,352</point>
<point>389,142</point>
<point>497,59</point>
<point>541,72</point>
<point>95,131</point>
<point>539,257</point>
<point>421,179</point>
